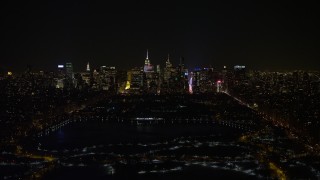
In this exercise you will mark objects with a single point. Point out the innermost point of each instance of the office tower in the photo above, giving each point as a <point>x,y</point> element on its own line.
<point>203,80</point>
<point>147,61</point>
<point>59,79</point>
<point>135,78</point>
<point>59,83</point>
<point>181,84</point>
<point>69,70</point>
<point>95,80</point>
<point>158,69</point>
<point>225,78</point>
<point>219,86</point>
<point>86,76</point>
<point>108,78</point>
<point>239,72</point>
<point>147,65</point>
<point>61,71</point>
<point>88,67</point>
<point>150,76</point>
<point>70,80</point>
<point>167,70</point>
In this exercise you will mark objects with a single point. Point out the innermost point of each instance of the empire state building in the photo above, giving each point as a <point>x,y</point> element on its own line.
<point>147,65</point>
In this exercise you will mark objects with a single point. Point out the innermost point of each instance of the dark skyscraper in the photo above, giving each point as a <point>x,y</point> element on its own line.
<point>239,72</point>
<point>69,70</point>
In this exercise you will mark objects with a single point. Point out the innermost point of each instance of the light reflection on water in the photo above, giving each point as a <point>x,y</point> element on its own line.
<point>148,151</point>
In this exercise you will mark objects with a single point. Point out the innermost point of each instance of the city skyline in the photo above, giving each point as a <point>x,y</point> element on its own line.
<point>88,65</point>
<point>159,90</point>
<point>147,122</point>
<point>262,36</point>
<point>96,65</point>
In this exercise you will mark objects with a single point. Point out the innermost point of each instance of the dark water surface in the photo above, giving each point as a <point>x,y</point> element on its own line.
<point>88,134</point>
<point>93,150</point>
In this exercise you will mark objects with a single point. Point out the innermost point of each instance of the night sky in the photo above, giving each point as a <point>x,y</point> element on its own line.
<point>263,36</point>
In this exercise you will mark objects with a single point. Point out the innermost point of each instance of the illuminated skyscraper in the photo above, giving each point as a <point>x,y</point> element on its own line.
<point>219,86</point>
<point>60,77</point>
<point>88,67</point>
<point>108,78</point>
<point>147,62</point>
<point>202,80</point>
<point>135,77</point>
<point>158,69</point>
<point>167,70</point>
<point>86,76</point>
<point>168,63</point>
<point>61,71</point>
<point>147,65</point>
<point>150,76</point>
<point>95,83</point>
<point>225,78</point>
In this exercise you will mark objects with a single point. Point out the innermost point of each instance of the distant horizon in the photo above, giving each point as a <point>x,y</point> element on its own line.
<point>158,59</point>
<point>260,35</point>
<point>76,68</point>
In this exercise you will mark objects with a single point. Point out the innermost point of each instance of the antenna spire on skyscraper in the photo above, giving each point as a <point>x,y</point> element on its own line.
<point>147,54</point>
<point>147,62</point>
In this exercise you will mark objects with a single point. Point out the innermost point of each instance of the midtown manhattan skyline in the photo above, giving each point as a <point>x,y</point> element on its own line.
<point>159,90</point>
<point>262,36</point>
